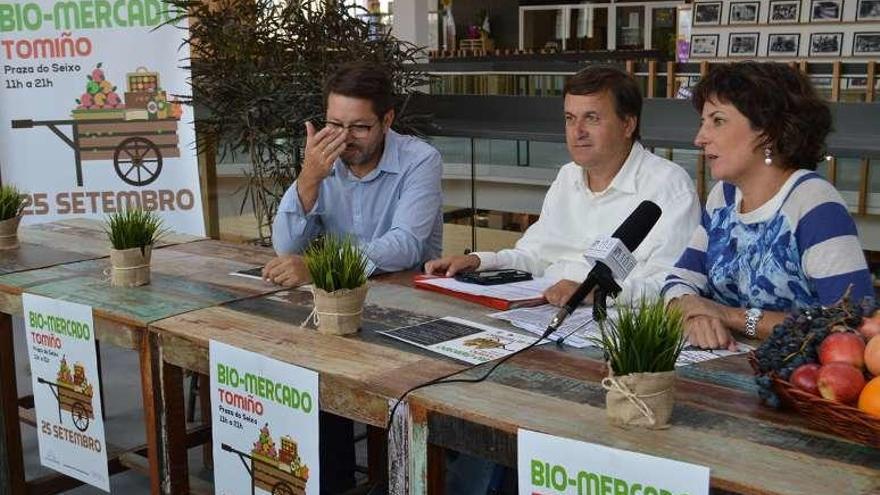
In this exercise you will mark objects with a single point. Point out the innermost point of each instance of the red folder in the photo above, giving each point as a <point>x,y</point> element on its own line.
<point>492,302</point>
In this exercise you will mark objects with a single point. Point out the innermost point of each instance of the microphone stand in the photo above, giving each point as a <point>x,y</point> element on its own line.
<point>605,287</point>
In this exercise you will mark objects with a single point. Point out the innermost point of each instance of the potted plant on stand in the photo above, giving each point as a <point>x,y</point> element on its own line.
<point>338,270</point>
<point>641,347</point>
<point>132,233</point>
<point>11,205</point>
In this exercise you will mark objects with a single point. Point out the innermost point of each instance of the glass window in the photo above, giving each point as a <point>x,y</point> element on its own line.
<point>542,29</point>
<point>588,29</point>
<point>631,28</point>
<point>663,30</point>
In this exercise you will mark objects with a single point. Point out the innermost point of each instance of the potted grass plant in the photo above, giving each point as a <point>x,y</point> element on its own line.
<point>338,270</point>
<point>11,204</point>
<point>132,234</point>
<point>641,346</point>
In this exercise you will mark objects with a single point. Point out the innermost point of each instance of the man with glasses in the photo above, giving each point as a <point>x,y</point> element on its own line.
<point>362,179</point>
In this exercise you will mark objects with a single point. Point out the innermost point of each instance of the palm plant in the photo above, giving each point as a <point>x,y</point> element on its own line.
<point>134,228</point>
<point>258,68</point>
<point>336,263</point>
<point>645,338</point>
<point>12,202</point>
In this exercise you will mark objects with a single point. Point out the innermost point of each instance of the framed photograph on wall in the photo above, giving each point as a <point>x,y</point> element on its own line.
<point>704,45</point>
<point>826,10</point>
<point>784,11</point>
<point>742,45</point>
<point>869,10</point>
<point>826,44</point>
<point>707,13</point>
<point>743,12</point>
<point>866,44</point>
<point>783,45</point>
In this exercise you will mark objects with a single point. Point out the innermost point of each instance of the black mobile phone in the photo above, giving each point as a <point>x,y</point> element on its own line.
<point>493,277</point>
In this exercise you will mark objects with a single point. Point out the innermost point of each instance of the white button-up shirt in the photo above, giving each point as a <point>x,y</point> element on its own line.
<point>573,216</point>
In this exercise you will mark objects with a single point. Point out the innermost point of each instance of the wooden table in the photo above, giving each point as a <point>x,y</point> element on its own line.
<point>717,421</point>
<point>185,277</point>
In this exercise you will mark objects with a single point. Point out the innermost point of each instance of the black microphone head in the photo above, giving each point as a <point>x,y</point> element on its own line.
<point>635,228</point>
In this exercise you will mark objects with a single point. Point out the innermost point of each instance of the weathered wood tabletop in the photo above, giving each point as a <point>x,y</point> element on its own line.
<point>185,277</point>
<point>717,420</point>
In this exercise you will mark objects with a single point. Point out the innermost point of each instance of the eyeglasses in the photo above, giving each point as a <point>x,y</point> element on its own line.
<point>356,130</point>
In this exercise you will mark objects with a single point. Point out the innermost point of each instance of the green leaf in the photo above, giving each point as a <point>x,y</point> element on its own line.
<point>134,228</point>
<point>645,338</point>
<point>336,263</point>
<point>12,202</point>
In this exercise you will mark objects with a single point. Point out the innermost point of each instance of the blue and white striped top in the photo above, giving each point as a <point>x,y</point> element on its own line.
<point>798,249</point>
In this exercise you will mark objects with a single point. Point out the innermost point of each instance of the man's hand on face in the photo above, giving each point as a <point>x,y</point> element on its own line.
<point>287,271</point>
<point>322,149</point>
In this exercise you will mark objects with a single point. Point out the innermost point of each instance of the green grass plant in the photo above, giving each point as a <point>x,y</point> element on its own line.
<point>645,338</point>
<point>11,202</point>
<point>133,228</point>
<point>336,263</point>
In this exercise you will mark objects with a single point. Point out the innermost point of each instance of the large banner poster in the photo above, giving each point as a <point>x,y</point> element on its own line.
<point>89,121</point>
<point>67,388</point>
<point>264,424</point>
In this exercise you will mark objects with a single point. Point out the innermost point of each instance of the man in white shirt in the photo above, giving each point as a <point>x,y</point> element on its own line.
<point>609,175</point>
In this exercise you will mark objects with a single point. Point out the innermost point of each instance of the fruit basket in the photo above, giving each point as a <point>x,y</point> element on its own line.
<point>826,415</point>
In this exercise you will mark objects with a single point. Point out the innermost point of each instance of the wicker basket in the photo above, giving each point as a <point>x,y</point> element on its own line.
<point>826,415</point>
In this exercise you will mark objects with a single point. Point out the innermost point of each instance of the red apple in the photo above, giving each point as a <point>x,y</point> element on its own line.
<point>840,382</point>
<point>843,347</point>
<point>805,377</point>
<point>872,356</point>
<point>870,326</point>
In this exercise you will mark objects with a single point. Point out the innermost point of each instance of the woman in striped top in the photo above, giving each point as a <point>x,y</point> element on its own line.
<point>774,235</point>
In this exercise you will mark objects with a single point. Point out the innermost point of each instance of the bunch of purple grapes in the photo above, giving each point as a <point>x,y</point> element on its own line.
<point>796,341</point>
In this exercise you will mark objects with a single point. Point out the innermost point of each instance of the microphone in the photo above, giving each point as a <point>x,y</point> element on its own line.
<point>613,257</point>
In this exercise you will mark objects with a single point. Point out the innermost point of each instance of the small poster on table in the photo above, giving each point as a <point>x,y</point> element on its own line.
<point>67,388</point>
<point>550,465</point>
<point>264,419</point>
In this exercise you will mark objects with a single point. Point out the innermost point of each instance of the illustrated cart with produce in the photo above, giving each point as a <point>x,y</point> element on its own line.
<point>70,399</point>
<point>136,134</point>
<point>266,475</point>
<point>279,472</point>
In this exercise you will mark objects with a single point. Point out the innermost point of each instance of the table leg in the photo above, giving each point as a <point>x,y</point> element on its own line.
<point>176,467</point>
<point>169,408</point>
<point>148,354</point>
<point>11,457</point>
<point>205,418</point>
<point>417,457</point>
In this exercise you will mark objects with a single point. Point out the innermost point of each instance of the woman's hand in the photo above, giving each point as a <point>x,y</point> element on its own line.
<point>707,332</point>
<point>692,306</point>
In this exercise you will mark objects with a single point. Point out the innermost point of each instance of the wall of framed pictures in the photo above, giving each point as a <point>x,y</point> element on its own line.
<point>785,29</point>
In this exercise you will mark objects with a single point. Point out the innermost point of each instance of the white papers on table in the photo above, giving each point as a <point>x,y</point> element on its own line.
<point>577,329</point>
<point>580,327</point>
<point>692,355</point>
<point>462,339</point>
<point>516,291</point>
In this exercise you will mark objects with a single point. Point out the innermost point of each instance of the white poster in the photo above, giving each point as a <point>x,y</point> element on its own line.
<point>67,388</point>
<point>550,465</point>
<point>89,120</point>
<point>264,420</point>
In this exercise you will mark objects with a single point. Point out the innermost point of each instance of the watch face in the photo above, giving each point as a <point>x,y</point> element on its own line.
<point>754,312</point>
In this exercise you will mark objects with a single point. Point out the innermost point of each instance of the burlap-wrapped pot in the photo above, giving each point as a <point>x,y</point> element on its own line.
<point>131,267</point>
<point>9,232</point>
<point>339,312</point>
<point>640,399</point>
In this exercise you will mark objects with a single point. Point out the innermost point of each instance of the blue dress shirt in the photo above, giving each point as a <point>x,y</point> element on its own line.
<point>394,212</point>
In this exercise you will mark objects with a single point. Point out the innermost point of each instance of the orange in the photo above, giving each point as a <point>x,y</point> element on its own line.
<point>869,399</point>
